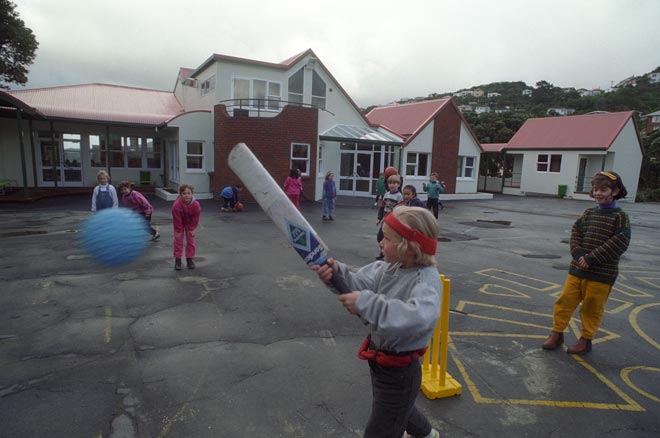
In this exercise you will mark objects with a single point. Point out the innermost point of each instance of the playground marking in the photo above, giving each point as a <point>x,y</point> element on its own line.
<point>489,289</point>
<point>635,325</point>
<point>521,280</point>
<point>625,375</point>
<point>108,324</point>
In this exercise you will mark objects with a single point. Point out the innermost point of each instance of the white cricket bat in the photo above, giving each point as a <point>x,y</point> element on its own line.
<point>280,209</point>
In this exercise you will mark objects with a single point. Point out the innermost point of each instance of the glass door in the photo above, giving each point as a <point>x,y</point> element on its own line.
<point>355,170</point>
<point>60,160</point>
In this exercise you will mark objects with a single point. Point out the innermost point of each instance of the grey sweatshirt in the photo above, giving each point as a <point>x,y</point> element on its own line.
<point>400,306</point>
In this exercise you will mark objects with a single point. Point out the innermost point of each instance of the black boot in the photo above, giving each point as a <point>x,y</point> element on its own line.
<point>191,263</point>
<point>177,264</point>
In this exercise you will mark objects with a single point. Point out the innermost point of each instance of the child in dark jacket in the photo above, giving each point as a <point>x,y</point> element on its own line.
<point>410,198</point>
<point>185,218</point>
<point>137,202</point>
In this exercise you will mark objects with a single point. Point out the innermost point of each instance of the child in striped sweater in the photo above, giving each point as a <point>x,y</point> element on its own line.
<point>598,239</point>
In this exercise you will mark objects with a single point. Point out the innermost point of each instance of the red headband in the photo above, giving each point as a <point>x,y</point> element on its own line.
<point>427,244</point>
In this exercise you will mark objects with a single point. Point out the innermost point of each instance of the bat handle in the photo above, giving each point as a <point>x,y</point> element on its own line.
<point>339,284</point>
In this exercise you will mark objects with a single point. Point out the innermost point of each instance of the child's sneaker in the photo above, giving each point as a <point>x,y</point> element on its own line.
<point>155,236</point>
<point>177,264</point>
<point>191,263</point>
<point>434,434</point>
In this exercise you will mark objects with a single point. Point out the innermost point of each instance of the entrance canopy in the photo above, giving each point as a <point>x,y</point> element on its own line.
<point>361,134</point>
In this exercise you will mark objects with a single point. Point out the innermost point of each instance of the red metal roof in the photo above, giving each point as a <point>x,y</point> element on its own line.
<point>587,131</point>
<point>103,103</point>
<point>406,119</point>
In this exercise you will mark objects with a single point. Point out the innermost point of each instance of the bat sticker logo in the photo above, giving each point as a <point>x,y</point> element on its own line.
<point>307,245</point>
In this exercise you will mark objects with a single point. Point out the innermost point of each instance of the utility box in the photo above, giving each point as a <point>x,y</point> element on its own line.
<point>145,177</point>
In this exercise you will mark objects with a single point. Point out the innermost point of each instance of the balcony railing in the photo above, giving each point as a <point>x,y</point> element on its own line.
<point>265,105</point>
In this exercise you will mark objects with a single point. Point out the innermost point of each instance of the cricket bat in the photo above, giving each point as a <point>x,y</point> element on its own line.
<point>272,199</point>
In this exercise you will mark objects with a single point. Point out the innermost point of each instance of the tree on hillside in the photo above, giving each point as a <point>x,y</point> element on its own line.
<point>17,46</point>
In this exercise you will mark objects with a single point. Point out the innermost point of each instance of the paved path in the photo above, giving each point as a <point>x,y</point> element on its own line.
<point>251,344</point>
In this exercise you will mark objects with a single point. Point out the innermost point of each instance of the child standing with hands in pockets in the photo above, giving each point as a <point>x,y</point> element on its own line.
<point>399,300</point>
<point>185,218</point>
<point>598,239</point>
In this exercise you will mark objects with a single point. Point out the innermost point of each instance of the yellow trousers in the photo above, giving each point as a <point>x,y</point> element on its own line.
<point>592,294</point>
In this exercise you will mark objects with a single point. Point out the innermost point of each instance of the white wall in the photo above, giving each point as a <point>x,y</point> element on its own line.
<point>467,146</point>
<point>422,143</point>
<point>547,183</point>
<point>627,158</point>
<point>197,126</point>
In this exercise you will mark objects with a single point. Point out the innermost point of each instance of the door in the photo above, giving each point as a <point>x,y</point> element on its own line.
<point>355,171</point>
<point>173,161</point>
<point>61,160</point>
<point>582,170</point>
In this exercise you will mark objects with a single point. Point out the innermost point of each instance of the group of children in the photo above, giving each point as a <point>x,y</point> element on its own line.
<point>398,296</point>
<point>186,212</point>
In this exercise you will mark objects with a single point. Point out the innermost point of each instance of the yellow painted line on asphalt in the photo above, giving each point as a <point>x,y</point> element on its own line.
<point>635,325</point>
<point>478,398</point>
<point>625,375</point>
<point>519,279</point>
<point>179,415</point>
<point>108,324</point>
<point>495,289</point>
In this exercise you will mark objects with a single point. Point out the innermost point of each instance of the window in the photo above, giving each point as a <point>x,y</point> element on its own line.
<point>296,83</point>
<point>318,91</point>
<point>466,167</point>
<point>126,152</point>
<point>320,167</point>
<point>300,157</point>
<point>195,156</point>
<point>417,164</point>
<point>207,86</point>
<point>257,93</point>
<point>97,151</point>
<point>548,163</point>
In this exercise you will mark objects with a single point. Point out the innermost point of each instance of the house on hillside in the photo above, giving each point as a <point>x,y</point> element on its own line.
<point>291,114</point>
<point>652,122</point>
<point>438,138</point>
<point>560,154</point>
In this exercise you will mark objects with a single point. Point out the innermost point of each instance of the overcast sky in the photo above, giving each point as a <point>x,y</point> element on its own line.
<point>379,51</point>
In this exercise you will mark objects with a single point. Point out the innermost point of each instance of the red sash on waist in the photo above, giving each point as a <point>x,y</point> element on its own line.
<point>388,359</point>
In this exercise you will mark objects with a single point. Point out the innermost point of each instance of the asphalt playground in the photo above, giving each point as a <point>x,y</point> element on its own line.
<point>251,344</point>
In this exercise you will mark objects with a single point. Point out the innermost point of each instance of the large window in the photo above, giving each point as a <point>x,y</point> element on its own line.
<point>195,156</point>
<point>126,152</point>
<point>466,167</point>
<point>296,86</point>
<point>548,163</point>
<point>318,90</point>
<point>207,86</point>
<point>417,164</point>
<point>300,157</point>
<point>257,93</point>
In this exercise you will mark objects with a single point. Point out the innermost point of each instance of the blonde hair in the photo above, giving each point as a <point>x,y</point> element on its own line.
<point>394,178</point>
<point>419,219</point>
<point>102,172</point>
<point>328,173</point>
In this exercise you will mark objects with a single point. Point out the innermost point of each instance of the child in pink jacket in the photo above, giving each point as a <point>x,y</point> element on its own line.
<point>185,218</point>
<point>293,187</point>
<point>137,202</point>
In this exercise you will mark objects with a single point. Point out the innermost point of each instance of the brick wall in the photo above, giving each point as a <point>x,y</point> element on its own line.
<point>269,138</point>
<point>446,138</point>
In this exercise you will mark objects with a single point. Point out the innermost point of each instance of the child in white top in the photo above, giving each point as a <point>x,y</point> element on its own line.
<point>104,195</point>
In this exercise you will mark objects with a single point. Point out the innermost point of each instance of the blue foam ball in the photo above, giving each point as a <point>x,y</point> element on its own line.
<point>115,236</point>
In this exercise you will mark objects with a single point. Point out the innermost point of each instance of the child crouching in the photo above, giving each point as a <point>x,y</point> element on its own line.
<point>399,300</point>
